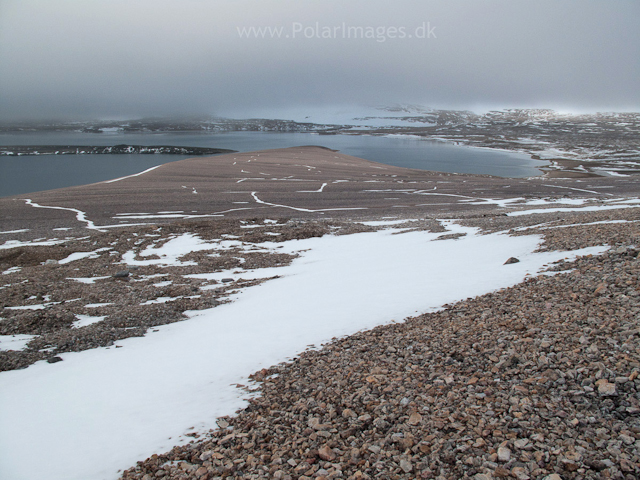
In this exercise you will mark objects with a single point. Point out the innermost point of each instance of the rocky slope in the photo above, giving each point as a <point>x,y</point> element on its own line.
<point>535,381</point>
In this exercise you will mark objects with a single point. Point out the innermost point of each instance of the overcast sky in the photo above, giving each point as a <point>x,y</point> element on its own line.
<point>122,59</point>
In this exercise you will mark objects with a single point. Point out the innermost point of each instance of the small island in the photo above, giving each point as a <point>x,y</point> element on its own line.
<point>17,150</point>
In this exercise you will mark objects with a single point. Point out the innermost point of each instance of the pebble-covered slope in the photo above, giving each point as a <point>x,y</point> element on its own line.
<point>539,380</point>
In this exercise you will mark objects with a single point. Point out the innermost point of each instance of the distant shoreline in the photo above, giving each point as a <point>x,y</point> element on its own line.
<point>297,182</point>
<point>576,145</point>
<point>19,150</point>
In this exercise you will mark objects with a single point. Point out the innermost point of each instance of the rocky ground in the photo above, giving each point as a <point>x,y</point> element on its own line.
<point>539,380</point>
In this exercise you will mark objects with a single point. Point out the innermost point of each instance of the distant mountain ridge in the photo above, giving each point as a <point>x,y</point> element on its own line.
<point>389,116</point>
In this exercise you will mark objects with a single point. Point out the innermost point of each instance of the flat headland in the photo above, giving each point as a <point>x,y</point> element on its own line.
<point>299,182</point>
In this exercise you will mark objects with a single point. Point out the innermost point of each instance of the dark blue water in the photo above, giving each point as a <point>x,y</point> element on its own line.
<point>31,173</point>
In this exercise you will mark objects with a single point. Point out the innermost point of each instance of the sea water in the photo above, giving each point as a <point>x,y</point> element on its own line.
<point>31,173</point>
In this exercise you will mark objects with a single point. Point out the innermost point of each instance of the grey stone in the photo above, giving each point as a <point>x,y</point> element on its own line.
<point>504,454</point>
<point>406,465</point>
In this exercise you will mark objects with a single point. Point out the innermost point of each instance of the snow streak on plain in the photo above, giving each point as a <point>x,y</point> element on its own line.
<point>104,409</point>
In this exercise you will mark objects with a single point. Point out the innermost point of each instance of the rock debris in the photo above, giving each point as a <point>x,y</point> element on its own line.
<point>536,381</point>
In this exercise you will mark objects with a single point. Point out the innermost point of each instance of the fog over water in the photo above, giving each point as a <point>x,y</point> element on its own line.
<point>123,59</point>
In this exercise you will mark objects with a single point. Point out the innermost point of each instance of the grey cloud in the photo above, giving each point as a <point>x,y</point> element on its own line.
<point>93,59</point>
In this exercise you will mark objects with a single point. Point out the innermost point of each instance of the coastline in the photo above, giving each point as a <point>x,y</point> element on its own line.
<point>224,186</point>
<point>19,150</point>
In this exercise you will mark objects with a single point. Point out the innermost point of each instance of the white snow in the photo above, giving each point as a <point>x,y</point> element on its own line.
<point>514,202</point>
<point>12,270</point>
<point>122,225</point>
<point>102,410</point>
<point>138,216</point>
<point>88,280</point>
<point>383,223</point>
<point>577,189</point>
<point>134,175</point>
<point>14,342</point>
<point>314,191</point>
<point>80,255</point>
<point>604,222</point>
<point>594,208</point>
<point>80,215</point>
<point>41,306</point>
<point>628,201</point>
<point>299,209</point>
<point>170,252</point>
<point>84,320</point>
<point>236,274</point>
<point>143,278</point>
<point>160,300</point>
<point>96,305</point>
<point>565,201</point>
<point>17,243</point>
